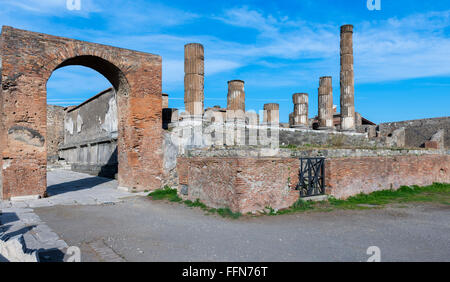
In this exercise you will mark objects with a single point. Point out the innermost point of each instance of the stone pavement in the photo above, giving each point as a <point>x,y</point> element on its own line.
<point>66,188</point>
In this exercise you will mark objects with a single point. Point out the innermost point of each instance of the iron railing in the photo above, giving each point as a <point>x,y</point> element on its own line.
<point>311,177</point>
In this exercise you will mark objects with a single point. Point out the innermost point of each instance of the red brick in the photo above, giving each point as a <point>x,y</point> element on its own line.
<point>28,60</point>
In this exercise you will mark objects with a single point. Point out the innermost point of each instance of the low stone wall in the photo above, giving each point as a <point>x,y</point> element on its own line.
<point>248,184</point>
<point>301,137</point>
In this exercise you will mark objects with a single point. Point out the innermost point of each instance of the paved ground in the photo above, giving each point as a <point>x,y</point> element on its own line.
<point>65,188</point>
<point>138,229</point>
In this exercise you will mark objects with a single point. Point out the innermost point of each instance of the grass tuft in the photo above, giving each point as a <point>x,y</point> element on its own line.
<point>166,193</point>
<point>227,212</point>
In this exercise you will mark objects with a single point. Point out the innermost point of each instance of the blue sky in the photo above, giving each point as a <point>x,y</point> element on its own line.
<point>402,53</point>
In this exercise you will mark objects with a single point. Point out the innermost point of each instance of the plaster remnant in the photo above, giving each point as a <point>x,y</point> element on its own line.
<point>27,135</point>
<point>79,123</point>
<point>68,125</point>
<point>111,121</point>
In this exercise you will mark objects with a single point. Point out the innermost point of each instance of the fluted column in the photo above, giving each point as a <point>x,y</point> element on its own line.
<point>271,114</point>
<point>236,96</point>
<point>300,114</point>
<point>194,78</point>
<point>347,79</point>
<point>325,103</point>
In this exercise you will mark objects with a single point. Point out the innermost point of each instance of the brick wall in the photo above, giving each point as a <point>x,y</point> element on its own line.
<point>28,60</point>
<point>250,184</point>
<point>349,176</point>
<point>242,184</point>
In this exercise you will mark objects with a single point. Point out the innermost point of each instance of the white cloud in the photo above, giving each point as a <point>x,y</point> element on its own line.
<point>392,49</point>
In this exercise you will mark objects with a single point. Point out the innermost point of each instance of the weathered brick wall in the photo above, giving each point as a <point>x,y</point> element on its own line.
<point>55,131</point>
<point>350,176</point>
<point>28,60</point>
<point>250,184</point>
<point>242,184</point>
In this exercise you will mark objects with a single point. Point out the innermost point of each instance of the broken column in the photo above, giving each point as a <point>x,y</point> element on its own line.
<point>300,115</point>
<point>235,116</point>
<point>236,97</point>
<point>165,100</point>
<point>347,79</point>
<point>271,114</point>
<point>194,72</point>
<point>325,103</point>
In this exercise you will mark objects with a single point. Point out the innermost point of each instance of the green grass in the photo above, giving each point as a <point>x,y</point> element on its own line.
<point>167,193</point>
<point>227,212</point>
<point>436,193</point>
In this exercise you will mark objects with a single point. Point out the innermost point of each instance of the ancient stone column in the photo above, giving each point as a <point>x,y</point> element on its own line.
<point>271,114</point>
<point>300,114</point>
<point>165,100</point>
<point>347,79</point>
<point>325,103</point>
<point>236,96</point>
<point>194,78</point>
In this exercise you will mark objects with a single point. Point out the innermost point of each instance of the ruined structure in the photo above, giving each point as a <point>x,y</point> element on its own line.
<point>325,111</point>
<point>194,78</point>
<point>165,101</point>
<point>236,96</point>
<point>28,60</point>
<point>271,114</point>
<point>91,134</point>
<point>55,132</point>
<point>300,114</point>
<point>347,79</point>
<point>223,157</point>
<point>417,132</point>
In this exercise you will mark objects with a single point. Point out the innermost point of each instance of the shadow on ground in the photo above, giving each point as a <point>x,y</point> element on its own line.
<point>76,185</point>
<point>6,223</point>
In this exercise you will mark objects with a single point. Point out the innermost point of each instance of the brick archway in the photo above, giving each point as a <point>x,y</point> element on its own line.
<point>27,62</point>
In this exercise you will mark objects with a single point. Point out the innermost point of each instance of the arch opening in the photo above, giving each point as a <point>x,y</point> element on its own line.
<point>26,68</point>
<point>82,132</point>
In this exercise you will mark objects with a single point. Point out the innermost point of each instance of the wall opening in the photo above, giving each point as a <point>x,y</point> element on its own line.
<point>82,122</point>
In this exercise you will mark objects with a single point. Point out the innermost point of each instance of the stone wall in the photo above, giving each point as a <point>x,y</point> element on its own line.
<point>90,135</point>
<point>55,131</point>
<point>248,184</point>
<point>417,132</point>
<point>301,137</point>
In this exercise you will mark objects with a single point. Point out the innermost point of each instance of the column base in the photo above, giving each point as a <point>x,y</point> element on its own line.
<point>124,189</point>
<point>25,198</point>
<point>326,128</point>
<point>302,126</point>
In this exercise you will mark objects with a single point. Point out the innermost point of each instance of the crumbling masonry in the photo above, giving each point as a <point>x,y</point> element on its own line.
<point>223,156</point>
<point>28,60</point>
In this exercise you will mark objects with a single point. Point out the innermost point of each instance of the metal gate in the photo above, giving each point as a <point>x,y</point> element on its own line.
<point>311,177</point>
